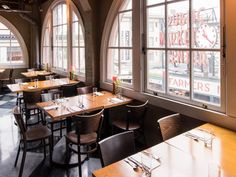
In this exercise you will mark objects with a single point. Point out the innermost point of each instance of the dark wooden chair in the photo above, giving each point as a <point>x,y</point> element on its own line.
<point>69,90</point>
<point>84,90</point>
<point>19,98</point>
<point>6,80</point>
<point>134,120</point>
<point>31,97</point>
<point>49,97</point>
<point>86,134</point>
<point>170,126</point>
<point>116,147</point>
<point>40,133</point>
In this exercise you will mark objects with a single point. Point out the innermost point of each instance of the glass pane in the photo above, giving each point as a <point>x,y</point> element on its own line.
<point>2,26</point>
<point>16,55</point>
<point>81,36</point>
<point>59,35</point>
<point>82,61</point>
<point>113,41</point>
<point>125,73</point>
<point>178,73</point>
<point>64,14</point>
<point>55,16</point>
<point>207,76</point>
<point>156,26</point>
<point>152,2</point>
<point>75,57</point>
<point>55,36</point>
<point>112,63</point>
<point>64,57</point>
<point>156,70</point>
<point>125,29</point>
<point>127,5</point>
<point>178,24</point>
<point>55,57</point>
<point>59,14</point>
<point>206,24</point>
<point>75,34</point>
<point>64,35</point>
<point>74,17</point>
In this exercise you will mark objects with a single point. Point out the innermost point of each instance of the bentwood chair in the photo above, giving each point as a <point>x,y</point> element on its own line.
<point>170,126</point>
<point>84,90</point>
<point>6,80</point>
<point>19,98</point>
<point>116,147</point>
<point>69,90</point>
<point>134,119</point>
<point>31,97</point>
<point>86,134</point>
<point>39,133</point>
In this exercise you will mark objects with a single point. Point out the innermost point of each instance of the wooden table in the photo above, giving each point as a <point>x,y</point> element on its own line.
<point>90,103</point>
<point>183,156</point>
<point>31,74</point>
<point>47,84</point>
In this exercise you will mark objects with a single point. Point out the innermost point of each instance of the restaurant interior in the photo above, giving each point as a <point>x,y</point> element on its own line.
<point>117,88</point>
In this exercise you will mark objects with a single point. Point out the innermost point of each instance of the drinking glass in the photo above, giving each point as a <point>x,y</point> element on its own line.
<point>95,89</point>
<point>214,169</point>
<point>208,139</point>
<point>81,101</point>
<point>36,83</point>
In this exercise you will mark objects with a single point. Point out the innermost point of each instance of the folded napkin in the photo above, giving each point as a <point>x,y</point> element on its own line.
<point>24,83</point>
<point>199,134</point>
<point>115,100</point>
<point>147,160</point>
<point>99,93</point>
<point>50,107</point>
<point>74,108</point>
<point>31,87</point>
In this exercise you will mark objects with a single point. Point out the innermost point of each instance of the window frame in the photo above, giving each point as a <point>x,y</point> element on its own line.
<point>21,42</point>
<point>49,16</point>
<point>139,89</point>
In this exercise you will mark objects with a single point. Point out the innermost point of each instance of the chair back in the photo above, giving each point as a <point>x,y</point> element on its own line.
<point>21,80</point>
<point>170,126</point>
<point>69,90</point>
<point>32,96</point>
<point>31,69</point>
<point>86,124</point>
<point>136,113</point>
<point>47,96</point>
<point>117,147</point>
<point>84,90</point>
<point>19,120</point>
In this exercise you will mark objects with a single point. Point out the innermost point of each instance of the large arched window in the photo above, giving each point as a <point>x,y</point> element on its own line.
<point>119,52</point>
<point>63,47</point>
<point>174,51</point>
<point>13,52</point>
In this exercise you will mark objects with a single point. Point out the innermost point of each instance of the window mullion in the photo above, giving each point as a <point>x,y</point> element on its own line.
<point>166,51</point>
<point>191,79</point>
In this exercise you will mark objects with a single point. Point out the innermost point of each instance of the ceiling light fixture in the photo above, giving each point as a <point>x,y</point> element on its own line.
<point>4,6</point>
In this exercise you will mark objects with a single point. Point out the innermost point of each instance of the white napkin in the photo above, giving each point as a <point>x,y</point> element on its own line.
<point>50,107</point>
<point>31,87</point>
<point>24,83</point>
<point>115,100</point>
<point>99,93</point>
<point>199,134</point>
<point>74,108</point>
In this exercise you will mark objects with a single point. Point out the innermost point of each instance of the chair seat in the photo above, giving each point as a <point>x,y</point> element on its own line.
<point>84,139</point>
<point>37,133</point>
<point>122,124</point>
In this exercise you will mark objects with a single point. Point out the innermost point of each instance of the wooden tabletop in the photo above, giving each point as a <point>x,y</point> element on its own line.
<point>46,84</point>
<point>183,156</point>
<point>221,152</point>
<point>31,74</point>
<point>70,105</point>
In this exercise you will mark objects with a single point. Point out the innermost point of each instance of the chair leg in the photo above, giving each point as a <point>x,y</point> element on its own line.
<point>17,155</point>
<point>50,149</point>
<point>60,129</point>
<point>44,148</point>
<point>79,162</point>
<point>23,160</point>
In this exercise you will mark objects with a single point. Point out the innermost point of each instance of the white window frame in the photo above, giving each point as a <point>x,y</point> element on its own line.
<point>21,41</point>
<point>139,89</point>
<point>49,15</point>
